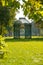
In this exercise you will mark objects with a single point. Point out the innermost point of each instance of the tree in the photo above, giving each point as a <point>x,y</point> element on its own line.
<point>8,9</point>
<point>4,17</point>
<point>33,9</point>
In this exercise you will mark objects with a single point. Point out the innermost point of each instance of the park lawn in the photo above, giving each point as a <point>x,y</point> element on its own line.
<point>23,53</point>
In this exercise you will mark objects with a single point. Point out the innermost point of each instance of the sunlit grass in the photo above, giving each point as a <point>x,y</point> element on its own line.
<point>24,53</point>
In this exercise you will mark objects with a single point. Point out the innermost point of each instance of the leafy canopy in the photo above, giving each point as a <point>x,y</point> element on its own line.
<point>33,9</point>
<point>8,9</point>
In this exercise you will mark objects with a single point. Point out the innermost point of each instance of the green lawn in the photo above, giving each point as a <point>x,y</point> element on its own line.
<point>23,53</point>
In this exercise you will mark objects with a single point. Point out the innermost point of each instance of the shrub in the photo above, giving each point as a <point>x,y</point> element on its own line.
<point>2,47</point>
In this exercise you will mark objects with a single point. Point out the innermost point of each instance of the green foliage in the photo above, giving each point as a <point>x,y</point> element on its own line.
<point>33,9</point>
<point>4,15</point>
<point>41,1</point>
<point>8,9</point>
<point>3,49</point>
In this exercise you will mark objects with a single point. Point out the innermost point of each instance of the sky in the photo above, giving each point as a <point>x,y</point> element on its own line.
<point>20,13</point>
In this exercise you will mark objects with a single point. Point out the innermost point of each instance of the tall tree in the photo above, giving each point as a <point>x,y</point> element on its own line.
<point>8,9</point>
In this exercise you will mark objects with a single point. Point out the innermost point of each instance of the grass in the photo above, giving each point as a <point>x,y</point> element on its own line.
<point>23,52</point>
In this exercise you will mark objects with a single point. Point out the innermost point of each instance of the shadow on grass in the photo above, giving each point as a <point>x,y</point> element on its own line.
<point>17,40</point>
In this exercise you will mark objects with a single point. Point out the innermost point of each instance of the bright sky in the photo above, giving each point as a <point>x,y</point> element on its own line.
<point>20,13</point>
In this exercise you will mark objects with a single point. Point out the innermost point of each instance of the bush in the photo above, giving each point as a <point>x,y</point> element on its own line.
<point>2,47</point>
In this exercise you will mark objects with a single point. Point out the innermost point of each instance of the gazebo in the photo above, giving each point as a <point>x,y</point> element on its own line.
<point>22,28</point>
